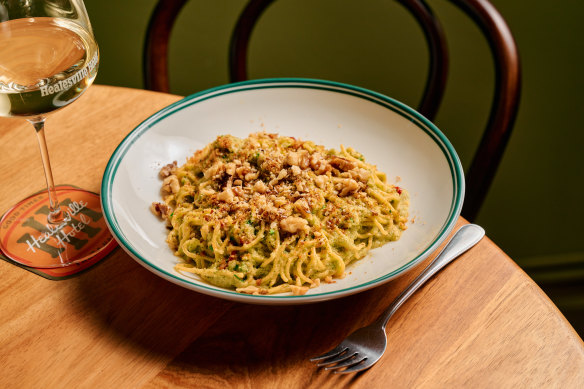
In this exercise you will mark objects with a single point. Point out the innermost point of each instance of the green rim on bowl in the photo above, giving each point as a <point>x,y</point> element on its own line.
<point>420,121</point>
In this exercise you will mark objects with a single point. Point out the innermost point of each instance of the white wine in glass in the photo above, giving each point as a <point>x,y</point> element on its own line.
<point>48,58</point>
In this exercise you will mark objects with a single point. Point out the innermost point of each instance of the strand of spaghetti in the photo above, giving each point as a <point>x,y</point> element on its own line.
<point>380,227</point>
<point>188,252</point>
<point>203,184</point>
<point>299,271</point>
<point>272,276</point>
<point>205,230</point>
<point>315,264</point>
<point>249,245</point>
<point>223,245</point>
<point>347,242</point>
<point>380,182</point>
<point>384,218</point>
<point>351,158</point>
<point>323,275</point>
<point>216,247</point>
<point>183,236</point>
<point>276,252</point>
<point>390,193</point>
<point>184,228</point>
<point>370,243</point>
<point>378,197</point>
<point>280,256</point>
<point>294,257</point>
<point>297,281</point>
<point>277,232</point>
<point>190,176</point>
<point>285,269</point>
<point>184,267</point>
<point>338,260</point>
<point>272,256</point>
<point>279,289</point>
<point>365,235</point>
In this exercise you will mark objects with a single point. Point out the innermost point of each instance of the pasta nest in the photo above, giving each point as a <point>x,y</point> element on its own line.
<point>270,214</point>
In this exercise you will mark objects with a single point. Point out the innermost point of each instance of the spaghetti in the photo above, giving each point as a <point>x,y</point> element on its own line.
<point>270,214</point>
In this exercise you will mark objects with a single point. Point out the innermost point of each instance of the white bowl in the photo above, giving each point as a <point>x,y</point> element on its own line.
<point>400,141</point>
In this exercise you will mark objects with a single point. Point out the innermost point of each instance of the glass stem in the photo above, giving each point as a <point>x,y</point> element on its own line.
<point>55,213</point>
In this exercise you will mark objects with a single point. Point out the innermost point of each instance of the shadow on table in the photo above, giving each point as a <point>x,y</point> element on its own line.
<point>215,340</point>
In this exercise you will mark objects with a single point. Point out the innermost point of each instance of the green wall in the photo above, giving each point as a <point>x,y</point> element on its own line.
<point>534,208</point>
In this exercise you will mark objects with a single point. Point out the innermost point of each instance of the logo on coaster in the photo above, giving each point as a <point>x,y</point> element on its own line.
<point>27,237</point>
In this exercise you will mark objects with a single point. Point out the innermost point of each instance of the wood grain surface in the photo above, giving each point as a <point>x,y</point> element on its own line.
<point>480,323</point>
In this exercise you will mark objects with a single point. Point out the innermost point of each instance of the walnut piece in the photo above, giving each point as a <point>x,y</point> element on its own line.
<point>161,210</point>
<point>170,184</point>
<point>343,164</point>
<point>348,186</point>
<point>226,195</point>
<point>294,224</point>
<point>167,170</point>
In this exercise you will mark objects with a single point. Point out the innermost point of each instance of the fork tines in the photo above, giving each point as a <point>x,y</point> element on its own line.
<point>339,358</point>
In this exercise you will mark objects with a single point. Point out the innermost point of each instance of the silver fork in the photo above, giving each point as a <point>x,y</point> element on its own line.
<point>364,347</point>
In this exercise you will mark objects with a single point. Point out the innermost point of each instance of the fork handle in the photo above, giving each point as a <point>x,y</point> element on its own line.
<point>465,238</point>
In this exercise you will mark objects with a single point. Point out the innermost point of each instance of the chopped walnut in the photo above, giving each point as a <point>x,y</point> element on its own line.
<point>161,210</point>
<point>315,159</point>
<point>280,201</point>
<point>251,289</point>
<point>260,187</point>
<point>301,205</point>
<point>348,186</point>
<point>230,168</point>
<point>319,164</point>
<point>251,176</point>
<point>294,224</point>
<point>320,181</point>
<point>238,191</point>
<point>300,186</point>
<point>272,165</point>
<point>281,175</point>
<point>292,158</point>
<point>243,170</point>
<point>298,290</point>
<point>361,174</point>
<point>295,170</point>
<point>226,195</point>
<point>167,170</point>
<point>343,164</point>
<point>304,161</point>
<point>170,184</point>
<point>215,170</point>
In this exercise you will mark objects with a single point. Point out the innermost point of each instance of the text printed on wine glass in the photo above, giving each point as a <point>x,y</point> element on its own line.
<point>69,82</point>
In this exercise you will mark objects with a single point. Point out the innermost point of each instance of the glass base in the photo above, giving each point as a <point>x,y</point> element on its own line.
<point>27,237</point>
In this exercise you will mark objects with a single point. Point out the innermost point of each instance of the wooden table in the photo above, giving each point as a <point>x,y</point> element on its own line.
<point>481,322</point>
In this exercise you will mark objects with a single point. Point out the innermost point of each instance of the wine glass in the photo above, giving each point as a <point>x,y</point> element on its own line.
<point>48,58</point>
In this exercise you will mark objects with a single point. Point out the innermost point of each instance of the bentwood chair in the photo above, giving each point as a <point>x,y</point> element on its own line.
<point>505,103</point>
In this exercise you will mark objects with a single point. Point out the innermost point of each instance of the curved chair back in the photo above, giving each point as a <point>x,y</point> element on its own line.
<point>505,103</point>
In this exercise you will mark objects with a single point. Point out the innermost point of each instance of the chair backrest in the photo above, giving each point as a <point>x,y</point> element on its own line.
<point>505,103</point>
